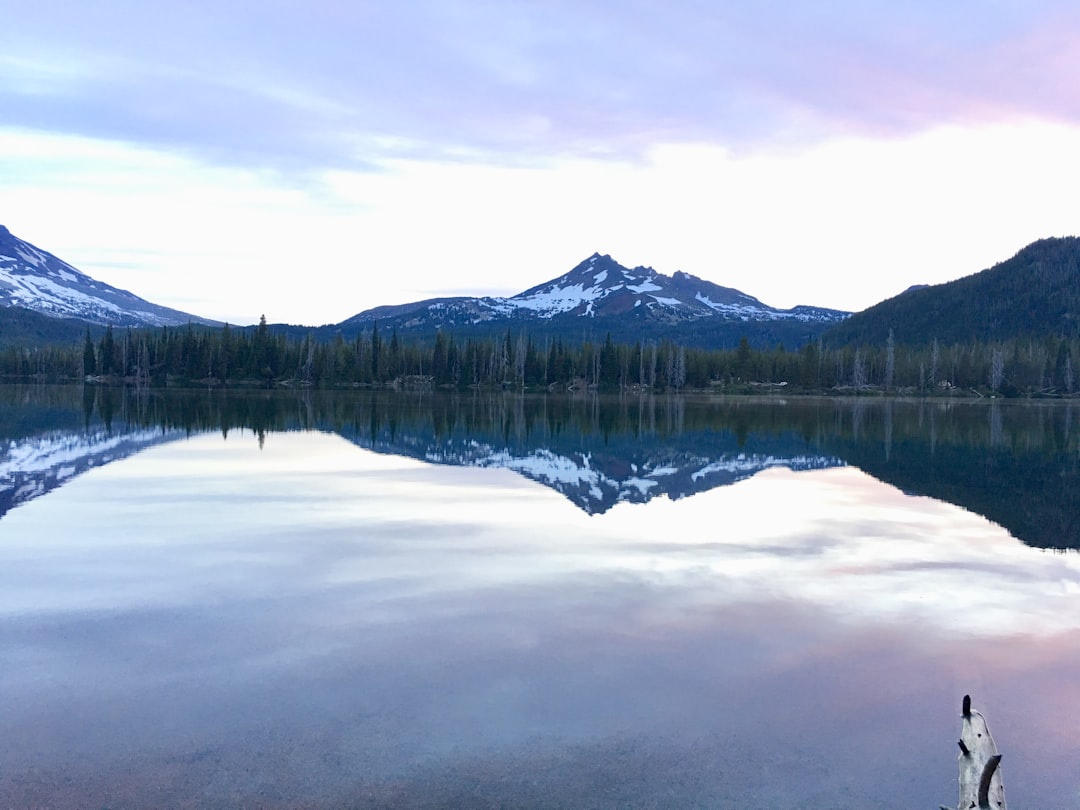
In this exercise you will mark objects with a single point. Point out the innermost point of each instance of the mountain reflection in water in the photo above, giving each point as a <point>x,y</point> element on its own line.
<point>284,599</point>
<point>1016,464</point>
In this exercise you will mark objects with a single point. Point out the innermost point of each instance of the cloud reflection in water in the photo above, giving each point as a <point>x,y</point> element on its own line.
<point>211,609</point>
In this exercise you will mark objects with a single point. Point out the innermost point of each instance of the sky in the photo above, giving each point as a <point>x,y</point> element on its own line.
<point>306,162</point>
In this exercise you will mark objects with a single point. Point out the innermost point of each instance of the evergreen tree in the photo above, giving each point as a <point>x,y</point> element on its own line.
<point>89,356</point>
<point>743,359</point>
<point>609,364</point>
<point>107,352</point>
<point>439,360</point>
<point>376,353</point>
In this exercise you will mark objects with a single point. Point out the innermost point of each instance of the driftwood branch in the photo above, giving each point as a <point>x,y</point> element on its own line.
<point>989,771</point>
<point>979,761</point>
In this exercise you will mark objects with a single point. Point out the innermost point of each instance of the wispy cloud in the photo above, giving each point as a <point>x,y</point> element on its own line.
<point>344,85</point>
<point>829,154</point>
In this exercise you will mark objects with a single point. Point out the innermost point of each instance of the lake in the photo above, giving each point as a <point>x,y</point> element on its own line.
<point>357,599</point>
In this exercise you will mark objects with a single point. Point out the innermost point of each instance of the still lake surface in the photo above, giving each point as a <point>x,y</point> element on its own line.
<point>308,599</point>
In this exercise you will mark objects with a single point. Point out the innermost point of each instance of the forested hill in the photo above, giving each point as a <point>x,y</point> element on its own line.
<point>1036,293</point>
<point>21,327</point>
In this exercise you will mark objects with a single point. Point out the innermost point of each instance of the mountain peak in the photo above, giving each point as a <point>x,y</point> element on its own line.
<point>601,287</point>
<point>602,259</point>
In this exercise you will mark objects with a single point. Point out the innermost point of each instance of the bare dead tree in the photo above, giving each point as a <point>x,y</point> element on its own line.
<point>980,764</point>
<point>997,369</point>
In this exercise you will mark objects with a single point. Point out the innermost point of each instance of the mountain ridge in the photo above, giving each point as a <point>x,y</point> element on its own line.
<point>1035,293</point>
<point>601,295</point>
<point>36,280</point>
<point>595,298</point>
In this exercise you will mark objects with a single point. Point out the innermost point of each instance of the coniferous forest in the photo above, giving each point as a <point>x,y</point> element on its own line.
<point>1011,330</point>
<point>259,356</point>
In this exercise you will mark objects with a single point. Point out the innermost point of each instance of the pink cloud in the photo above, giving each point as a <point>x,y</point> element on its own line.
<point>331,84</point>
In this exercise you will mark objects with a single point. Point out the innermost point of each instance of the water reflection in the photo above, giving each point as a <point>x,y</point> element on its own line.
<point>266,614</point>
<point>1015,464</point>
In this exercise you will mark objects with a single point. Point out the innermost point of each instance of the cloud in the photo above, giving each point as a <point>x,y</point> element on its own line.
<point>844,224</point>
<point>258,155</point>
<point>347,85</point>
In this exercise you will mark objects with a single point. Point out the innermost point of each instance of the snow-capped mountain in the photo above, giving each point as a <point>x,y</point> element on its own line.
<point>604,295</point>
<point>602,286</point>
<point>36,280</point>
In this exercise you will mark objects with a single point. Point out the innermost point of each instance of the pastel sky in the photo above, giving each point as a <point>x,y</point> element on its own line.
<point>309,161</point>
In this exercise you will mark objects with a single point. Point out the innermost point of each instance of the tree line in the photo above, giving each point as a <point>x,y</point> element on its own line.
<point>259,356</point>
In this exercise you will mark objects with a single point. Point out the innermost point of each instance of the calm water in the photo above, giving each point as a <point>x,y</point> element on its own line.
<point>357,600</point>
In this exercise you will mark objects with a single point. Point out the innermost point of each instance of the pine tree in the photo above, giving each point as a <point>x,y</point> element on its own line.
<point>376,352</point>
<point>107,351</point>
<point>89,356</point>
<point>439,365</point>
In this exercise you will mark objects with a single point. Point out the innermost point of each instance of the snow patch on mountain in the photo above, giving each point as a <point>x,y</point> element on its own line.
<point>557,299</point>
<point>741,311</point>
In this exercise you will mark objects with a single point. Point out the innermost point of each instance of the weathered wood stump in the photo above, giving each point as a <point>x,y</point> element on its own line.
<point>980,771</point>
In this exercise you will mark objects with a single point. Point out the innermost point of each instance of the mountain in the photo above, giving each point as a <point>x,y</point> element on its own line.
<point>1035,294</point>
<point>601,296</point>
<point>33,279</point>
